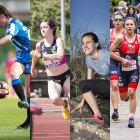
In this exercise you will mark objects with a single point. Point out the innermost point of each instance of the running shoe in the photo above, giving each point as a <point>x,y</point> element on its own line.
<point>115,116</point>
<point>25,125</point>
<point>97,119</point>
<point>65,113</point>
<point>23,104</point>
<point>131,123</point>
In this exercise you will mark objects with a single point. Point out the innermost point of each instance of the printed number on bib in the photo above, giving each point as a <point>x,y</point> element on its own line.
<point>131,67</point>
<point>52,64</point>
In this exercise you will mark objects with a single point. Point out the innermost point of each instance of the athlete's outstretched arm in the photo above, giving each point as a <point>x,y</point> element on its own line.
<point>60,51</point>
<point>117,42</point>
<point>5,39</point>
<point>89,73</point>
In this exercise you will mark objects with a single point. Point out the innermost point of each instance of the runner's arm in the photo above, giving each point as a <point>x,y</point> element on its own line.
<point>118,41</point>
<point>89,73</point>
<point>60,51</point>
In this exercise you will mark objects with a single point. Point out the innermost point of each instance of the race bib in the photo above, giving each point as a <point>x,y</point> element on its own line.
<point>52,64</point>
<point>131,67</point>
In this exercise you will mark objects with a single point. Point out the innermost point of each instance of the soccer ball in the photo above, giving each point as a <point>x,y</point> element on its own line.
<point>4,89</point>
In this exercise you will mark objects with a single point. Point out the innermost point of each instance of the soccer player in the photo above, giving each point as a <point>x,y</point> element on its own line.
<point>18,34</point>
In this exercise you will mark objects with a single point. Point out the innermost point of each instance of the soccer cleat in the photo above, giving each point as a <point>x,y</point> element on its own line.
<point>115,116</point>
<point>23,104</point>
<point>97,119</point>
<point>131,123</point>
<point>25,125</point>
<point>65,113</point>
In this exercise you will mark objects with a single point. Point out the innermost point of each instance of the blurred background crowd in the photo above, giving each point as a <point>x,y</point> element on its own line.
<point>129,8</point>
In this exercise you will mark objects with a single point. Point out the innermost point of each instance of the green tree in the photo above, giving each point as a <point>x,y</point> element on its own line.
<point>48,9</point>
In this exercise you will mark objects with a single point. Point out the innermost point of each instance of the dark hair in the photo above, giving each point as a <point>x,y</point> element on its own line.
<point>5,12</point>
<point>94,37</point>
<point>52,24</point>
<point>131,18</point>
<point>128,10</point>
<point>115,9</point>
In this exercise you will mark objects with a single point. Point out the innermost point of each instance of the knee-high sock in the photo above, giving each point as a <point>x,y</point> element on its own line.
<point>16,83</point>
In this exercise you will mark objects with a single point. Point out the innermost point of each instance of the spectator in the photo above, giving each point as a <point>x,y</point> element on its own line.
<point>131,12</point>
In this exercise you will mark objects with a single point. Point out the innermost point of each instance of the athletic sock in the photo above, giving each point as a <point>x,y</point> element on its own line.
<point>16,83</point>
<point>28,112</point>
<point>131,115</point>
<point>116,111</point>
<point>28,99</point>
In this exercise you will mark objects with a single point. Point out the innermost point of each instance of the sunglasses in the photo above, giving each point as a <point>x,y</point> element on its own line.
<point>118,19</point>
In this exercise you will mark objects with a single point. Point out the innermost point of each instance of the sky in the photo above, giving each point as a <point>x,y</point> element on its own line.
<point>90,15</point>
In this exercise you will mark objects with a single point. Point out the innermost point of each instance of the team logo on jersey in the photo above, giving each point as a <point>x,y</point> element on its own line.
<point>131,49</point>
<point>43,47</point>
<point>120,84</point>
<point>54,49</point>
<point>134,77</point>
<point>133,80</point>
<point>19,55</point>
<point>113,72</point>
<point>28,66</point>
<point>128,57</point>
<point>120,79</point>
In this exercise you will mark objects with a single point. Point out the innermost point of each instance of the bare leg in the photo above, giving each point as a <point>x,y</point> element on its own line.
<point>123,96</point>
<point>90,99</point>
<point>132,103</point>
<point>67,90</point>
<point>54,90</point>
<point>27,85</point>
<point>114,94</point>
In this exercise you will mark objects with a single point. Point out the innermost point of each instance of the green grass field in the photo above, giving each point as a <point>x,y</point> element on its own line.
<point>10,117</point>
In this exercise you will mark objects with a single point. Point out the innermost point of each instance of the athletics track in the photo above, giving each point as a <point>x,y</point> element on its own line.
<point>50,125</point>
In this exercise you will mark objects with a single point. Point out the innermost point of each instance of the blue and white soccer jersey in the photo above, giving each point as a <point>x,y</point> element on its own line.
<point>21,41</point>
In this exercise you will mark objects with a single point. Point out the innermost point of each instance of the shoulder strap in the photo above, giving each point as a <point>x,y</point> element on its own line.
<point>41,45</point>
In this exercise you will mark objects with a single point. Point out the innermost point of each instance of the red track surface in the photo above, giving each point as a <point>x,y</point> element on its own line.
<point>50,125</point>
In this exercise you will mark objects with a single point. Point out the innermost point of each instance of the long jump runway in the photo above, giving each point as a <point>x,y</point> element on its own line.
<point>50,125</point>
